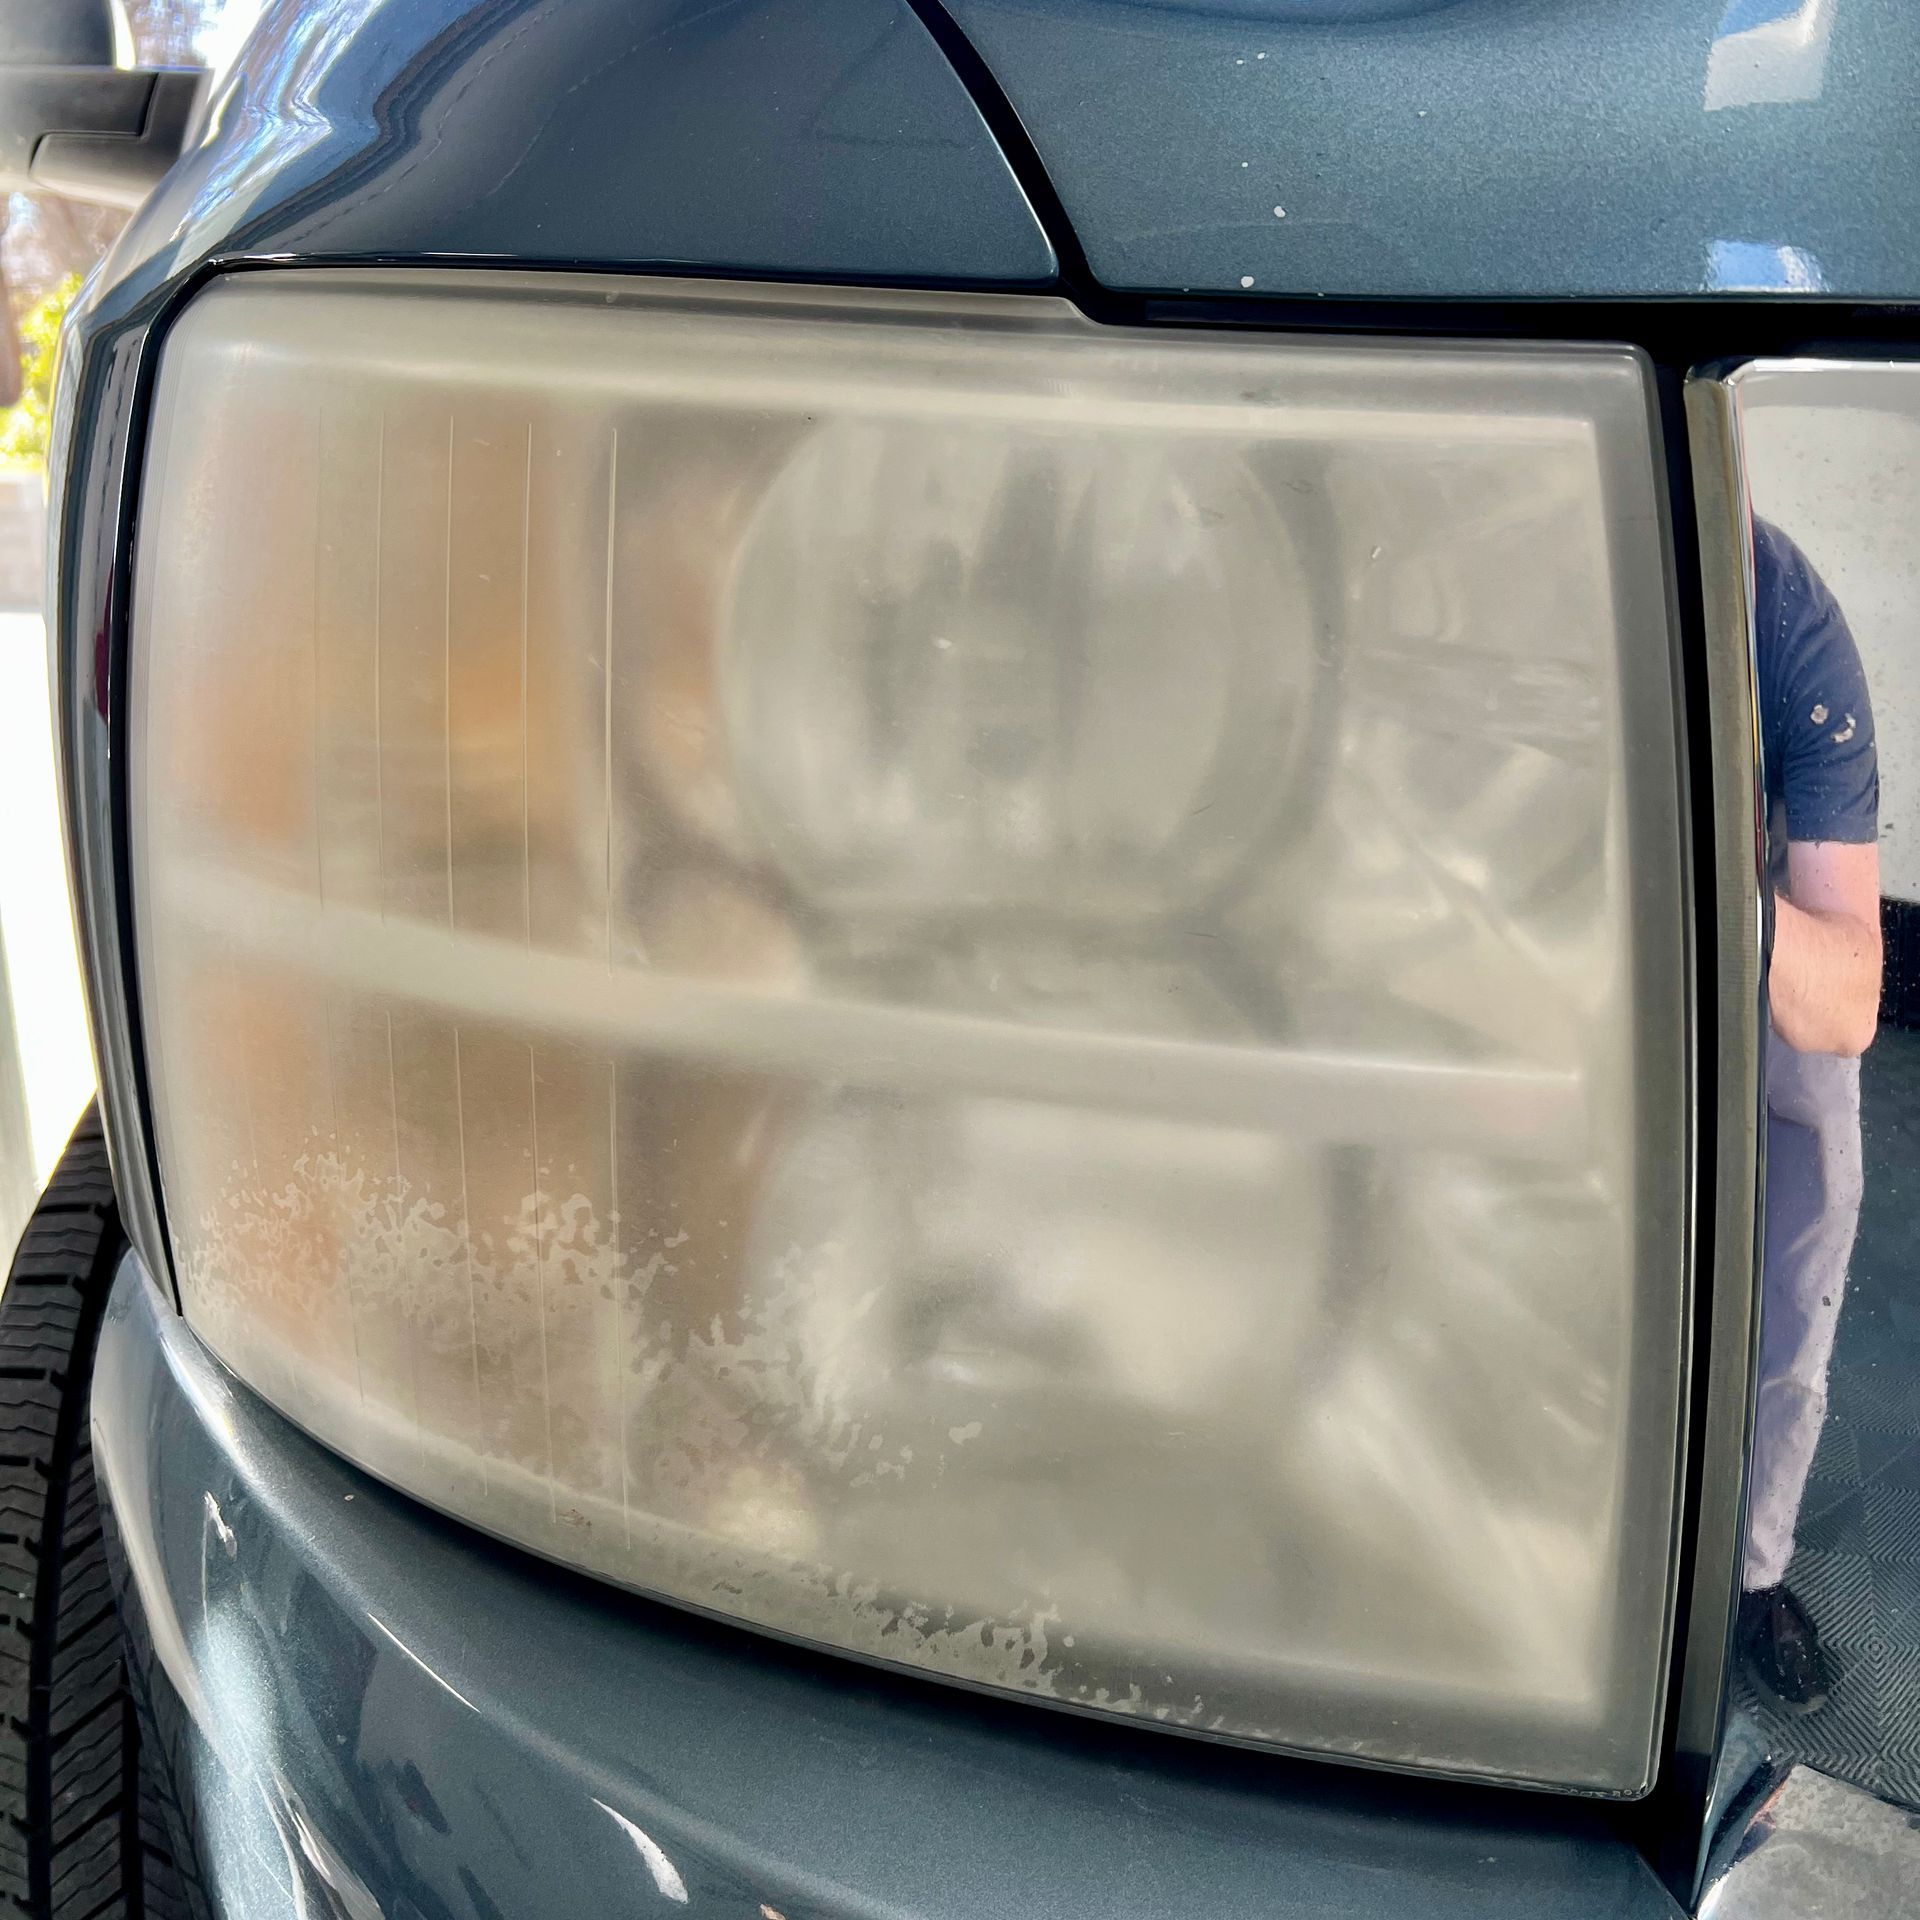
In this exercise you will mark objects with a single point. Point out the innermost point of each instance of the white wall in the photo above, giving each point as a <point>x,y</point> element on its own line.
<point>1844,483</point>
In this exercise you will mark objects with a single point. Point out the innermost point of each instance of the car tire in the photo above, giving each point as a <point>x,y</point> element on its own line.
<point>81,1832</point>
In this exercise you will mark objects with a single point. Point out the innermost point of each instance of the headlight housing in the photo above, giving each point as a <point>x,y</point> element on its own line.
<point>1001,993</point>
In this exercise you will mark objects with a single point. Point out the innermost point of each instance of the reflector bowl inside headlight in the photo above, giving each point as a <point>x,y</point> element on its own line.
<point>997,766</point>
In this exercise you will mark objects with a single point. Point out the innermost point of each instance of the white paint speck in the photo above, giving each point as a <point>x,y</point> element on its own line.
<point>1819,715</point>
<point>1259,56</point>
<point>1845,734</point>
<point>1246,279</point>
<point>1279,213</point>
<point>971,1431</point>
<point>1246,163</point>
<point>218,1523</point>
<point>941,641</point>
<point>665,1877</point>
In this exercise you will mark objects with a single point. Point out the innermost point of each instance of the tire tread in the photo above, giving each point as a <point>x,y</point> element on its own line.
<point>78,1840</point>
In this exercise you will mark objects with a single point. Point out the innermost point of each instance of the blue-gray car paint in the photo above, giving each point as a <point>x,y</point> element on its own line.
<point>398,1717</point>
<point>1443,149</point>
<point>813,139</point>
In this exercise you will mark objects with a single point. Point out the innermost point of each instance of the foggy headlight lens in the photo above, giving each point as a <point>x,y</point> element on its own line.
<point>997,992</point>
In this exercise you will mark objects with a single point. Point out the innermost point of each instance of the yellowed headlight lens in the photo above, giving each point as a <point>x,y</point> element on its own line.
<point>997,992</point>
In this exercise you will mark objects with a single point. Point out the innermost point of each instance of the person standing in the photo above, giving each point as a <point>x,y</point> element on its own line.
<point>1823,821</point>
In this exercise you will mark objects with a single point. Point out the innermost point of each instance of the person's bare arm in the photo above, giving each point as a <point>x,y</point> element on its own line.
<point>1825,981</point>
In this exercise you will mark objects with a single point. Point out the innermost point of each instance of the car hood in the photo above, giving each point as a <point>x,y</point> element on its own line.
<point>1473,148</point>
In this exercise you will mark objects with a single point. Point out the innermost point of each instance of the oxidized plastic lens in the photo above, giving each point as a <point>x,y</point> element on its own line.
<point>994,991</point>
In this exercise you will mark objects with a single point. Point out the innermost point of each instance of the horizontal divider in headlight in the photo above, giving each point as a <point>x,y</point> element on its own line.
<point>1533,1112</point>
<point>1002,993</point>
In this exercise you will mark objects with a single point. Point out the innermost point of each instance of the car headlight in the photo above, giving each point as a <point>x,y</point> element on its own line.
<point>1001,993</point>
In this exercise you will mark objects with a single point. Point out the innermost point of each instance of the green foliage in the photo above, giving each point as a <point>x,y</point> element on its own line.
<point>23,426</point>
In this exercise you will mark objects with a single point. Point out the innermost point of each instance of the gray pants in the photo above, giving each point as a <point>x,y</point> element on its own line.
<point>1813,1208</point>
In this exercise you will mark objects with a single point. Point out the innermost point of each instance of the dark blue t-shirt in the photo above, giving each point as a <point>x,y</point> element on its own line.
<point>1816,721</point>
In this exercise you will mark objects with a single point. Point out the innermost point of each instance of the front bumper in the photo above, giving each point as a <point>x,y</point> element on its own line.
<point>367,1710</point>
